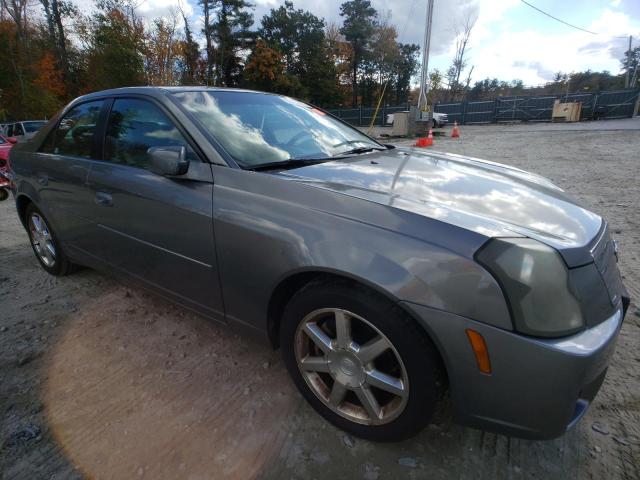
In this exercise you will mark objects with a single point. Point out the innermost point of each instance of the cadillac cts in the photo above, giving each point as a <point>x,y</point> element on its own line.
<point>386,276</point>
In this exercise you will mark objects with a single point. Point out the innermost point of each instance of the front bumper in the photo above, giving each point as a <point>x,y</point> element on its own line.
<point>538,388</point>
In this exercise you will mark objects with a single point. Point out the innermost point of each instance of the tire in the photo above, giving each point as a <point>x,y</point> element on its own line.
<point>434,124</point>
<point>54,262</point>
<point>338,377</point>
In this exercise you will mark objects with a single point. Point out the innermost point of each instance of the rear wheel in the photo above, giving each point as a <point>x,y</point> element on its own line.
<point>360,361</point>
<point>45,243</point>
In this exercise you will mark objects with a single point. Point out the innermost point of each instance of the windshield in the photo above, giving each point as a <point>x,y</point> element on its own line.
<point>31,127</point>
<point>258,129</point>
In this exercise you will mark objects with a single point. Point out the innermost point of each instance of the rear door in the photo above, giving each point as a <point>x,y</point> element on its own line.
<point>155,228</point>
<point>61,171</point>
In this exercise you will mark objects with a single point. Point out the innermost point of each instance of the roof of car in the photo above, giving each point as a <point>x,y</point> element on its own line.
<point>164,89</point>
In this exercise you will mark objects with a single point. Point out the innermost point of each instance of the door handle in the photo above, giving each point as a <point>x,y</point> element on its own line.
<point>104,199</point>
<point>43,179</point>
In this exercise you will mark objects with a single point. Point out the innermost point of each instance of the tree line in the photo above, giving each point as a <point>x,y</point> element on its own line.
<point>54,52</point>
<point>489,88</point>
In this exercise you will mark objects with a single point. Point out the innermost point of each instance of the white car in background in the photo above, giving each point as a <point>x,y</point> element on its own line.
<point>438,120</point>
<point>24,130</point>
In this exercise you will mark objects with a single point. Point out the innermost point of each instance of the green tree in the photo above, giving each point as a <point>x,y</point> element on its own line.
<point>631,62</point>
<point>54,11</point>
<point>382,61</point>
<point>116,47</point>
<point>631,59</point>
<point>266,70</point>
<point>299,36</point>
<point>190,55</point>
<point>30,80</point>
<point>357,28</point>
<point>207,30</point>
<point>406,67</point>
<point>227,24</point>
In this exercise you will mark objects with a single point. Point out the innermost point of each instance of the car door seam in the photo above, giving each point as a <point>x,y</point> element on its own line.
<point>100,225</point>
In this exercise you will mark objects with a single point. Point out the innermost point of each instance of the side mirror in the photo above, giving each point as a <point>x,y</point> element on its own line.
<point>12,140</point>
<point>168,160</point>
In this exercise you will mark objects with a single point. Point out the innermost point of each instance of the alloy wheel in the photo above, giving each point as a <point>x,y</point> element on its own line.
<point>351,366</point>
<point>42,240</point>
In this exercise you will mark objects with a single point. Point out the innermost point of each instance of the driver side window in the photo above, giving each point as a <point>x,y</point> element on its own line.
<point>135,126</point>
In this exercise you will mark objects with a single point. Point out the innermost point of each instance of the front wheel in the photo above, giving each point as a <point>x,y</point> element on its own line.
<point>360,361</point>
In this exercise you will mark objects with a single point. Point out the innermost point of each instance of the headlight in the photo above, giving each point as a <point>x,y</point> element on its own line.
<point>536,282</point>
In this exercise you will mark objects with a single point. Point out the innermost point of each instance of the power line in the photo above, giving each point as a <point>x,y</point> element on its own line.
<point>566,23</point>
<point>558,19</point>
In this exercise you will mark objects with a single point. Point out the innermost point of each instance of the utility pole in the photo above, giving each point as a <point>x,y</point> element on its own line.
<point>626,83</point>
<point>424,78</point>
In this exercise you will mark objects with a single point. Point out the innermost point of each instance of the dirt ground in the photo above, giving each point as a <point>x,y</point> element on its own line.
<point>99,380</point>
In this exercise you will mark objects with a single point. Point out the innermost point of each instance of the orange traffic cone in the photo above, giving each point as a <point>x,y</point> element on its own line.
<point>425,141</point>
<point>456,132</point>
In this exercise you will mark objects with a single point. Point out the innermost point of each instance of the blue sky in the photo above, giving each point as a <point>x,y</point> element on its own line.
<point>510,40</point>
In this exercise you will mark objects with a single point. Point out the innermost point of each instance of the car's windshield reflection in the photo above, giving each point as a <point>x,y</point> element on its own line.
<point>257,129</point>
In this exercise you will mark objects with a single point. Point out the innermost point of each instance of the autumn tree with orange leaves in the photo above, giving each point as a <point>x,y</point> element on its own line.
<point>53,52</point>
<point>265,70</point>
<point>49,77</point>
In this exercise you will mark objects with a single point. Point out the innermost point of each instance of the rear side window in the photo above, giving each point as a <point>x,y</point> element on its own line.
<point>136,125</point>
<point>76,131</point>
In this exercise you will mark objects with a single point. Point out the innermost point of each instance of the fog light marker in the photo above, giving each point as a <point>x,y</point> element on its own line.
<point>480,350</point>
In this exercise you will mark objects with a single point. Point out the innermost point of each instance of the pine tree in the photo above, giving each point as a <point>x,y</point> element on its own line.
<point>190,56</point>
<point>226,25</point>
<point>359,23</point>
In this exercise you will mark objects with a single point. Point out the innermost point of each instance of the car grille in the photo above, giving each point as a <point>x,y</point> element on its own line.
<point>605,258</point>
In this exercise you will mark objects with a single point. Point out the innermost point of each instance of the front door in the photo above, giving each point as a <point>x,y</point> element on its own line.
<point>155,228</point>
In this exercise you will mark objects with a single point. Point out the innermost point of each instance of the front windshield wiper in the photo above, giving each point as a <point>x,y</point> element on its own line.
<point>291,163</point>
<point>303,162</point>
<point>359,150</point>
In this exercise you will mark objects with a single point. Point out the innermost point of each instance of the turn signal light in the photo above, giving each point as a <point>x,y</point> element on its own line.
<point>480,350</point>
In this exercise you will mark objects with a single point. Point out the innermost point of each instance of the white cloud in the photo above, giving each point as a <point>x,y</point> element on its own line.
<point>506,51</point>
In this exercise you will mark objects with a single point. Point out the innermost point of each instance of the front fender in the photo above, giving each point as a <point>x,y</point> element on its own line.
<point>411,271</point>
<point>268,229</point>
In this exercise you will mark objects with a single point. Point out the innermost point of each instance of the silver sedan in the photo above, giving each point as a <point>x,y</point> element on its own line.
<point>386,276</point>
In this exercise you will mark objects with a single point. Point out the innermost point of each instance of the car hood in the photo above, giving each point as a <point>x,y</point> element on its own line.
<point>485,197</point>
